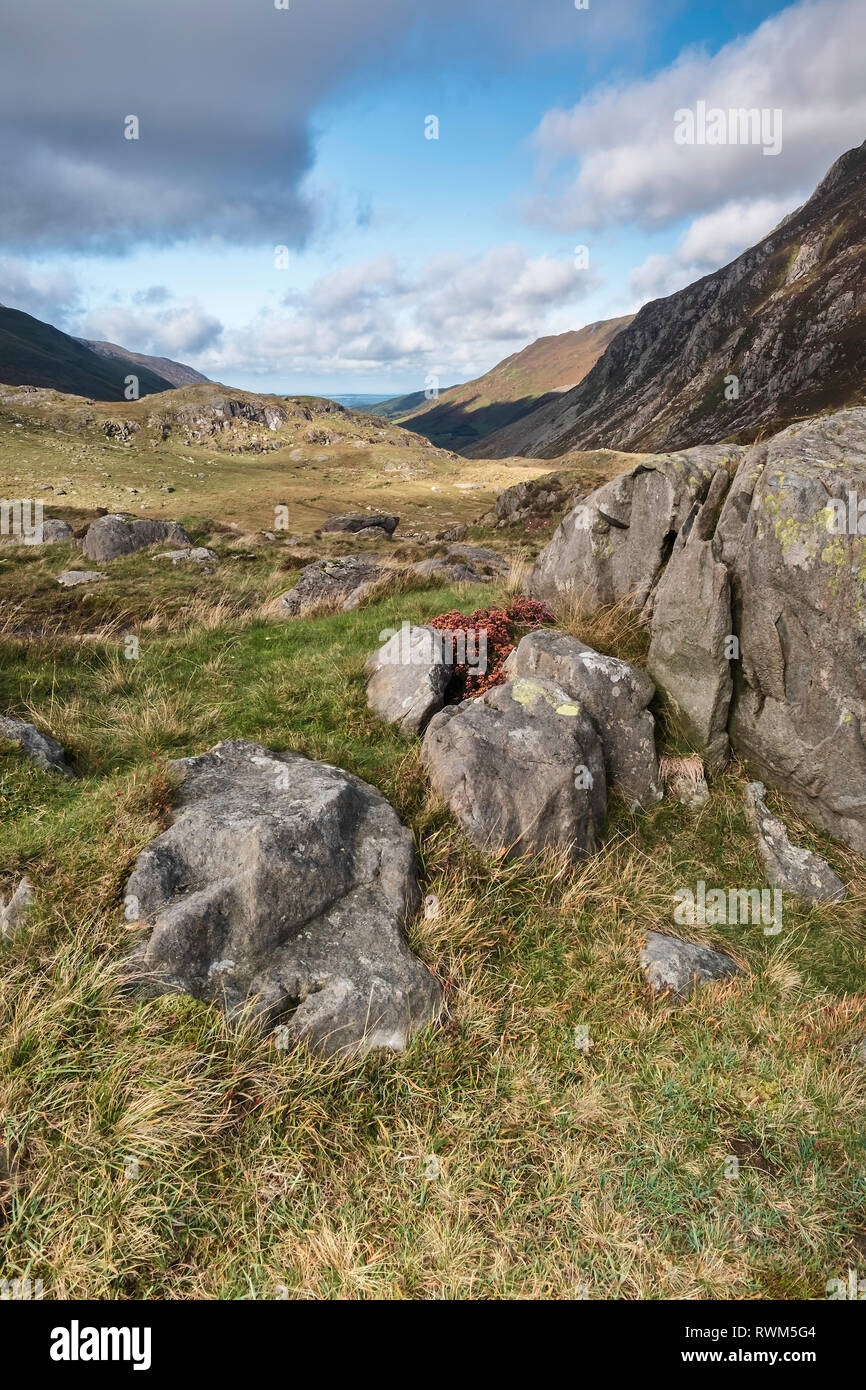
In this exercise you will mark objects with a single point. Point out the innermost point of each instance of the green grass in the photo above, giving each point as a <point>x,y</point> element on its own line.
<point>260,1171</point>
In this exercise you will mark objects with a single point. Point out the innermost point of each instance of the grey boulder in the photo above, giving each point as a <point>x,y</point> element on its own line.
<point>615,696</point>
<point>362,521</point>
<point>70,579</point>
<point>13,912</point>
<point>409,676</point>
<point>521,768</point>
<point>111,536</point>
<point>331,586</point>
<point>197,554</point>
<point>39,748</point>
<point>280,890</point>
<point>787,866</point>
<point>676,967</point>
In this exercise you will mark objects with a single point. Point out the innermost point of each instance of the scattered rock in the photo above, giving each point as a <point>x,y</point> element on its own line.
<point>197,553</point>
<point>409,676</point>
<point>796,870</point>
<point>373,533</point>
<point>333,585</point>
<point>12,913</point>
<point>282,885</point>
<point>54,530</point>
<point>521,768</point>
<point>675,966</point>
<point>70,579</point>
<point>361,521</point>
<point>613,693</point>
<point>39,748</point>
<point>113,535</point>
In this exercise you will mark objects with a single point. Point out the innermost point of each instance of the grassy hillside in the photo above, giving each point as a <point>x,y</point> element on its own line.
<point>562,1172</point>
<point>33,353</point>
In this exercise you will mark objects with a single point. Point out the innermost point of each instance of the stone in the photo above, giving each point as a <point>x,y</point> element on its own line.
<point>690,652</point>
<point>280,890</point>
<point>198,554</point>
<point>614,694</point>
<point>521,768</point>
<point>409,677</point>
<point>333,585</point>
<point>54,530</point>
<point>787,866</point>
<point>13,912</point>
<point>114,535</point>
<point>676,967</point>
<point>373,533</point>
<point>361,521</point>
<point>70,579</point>
<point>41,749</point>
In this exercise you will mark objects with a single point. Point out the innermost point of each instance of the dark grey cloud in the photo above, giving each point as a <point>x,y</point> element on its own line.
<point>227,94</point>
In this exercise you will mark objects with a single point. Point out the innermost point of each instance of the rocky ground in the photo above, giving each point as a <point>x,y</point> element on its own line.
<point>315,980</point>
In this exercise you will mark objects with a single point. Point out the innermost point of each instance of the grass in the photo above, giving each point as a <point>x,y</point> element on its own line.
<point>559,1171</point>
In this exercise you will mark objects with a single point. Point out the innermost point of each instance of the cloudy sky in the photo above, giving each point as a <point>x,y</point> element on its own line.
<point>404,257</point>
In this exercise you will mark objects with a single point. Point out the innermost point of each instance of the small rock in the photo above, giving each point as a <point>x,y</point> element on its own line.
<point>332,585</point>
<point>796,870</point>
<point>39,748</point>
<point>677,966</point>
<point>19,904</point>
<point>197,553</point>
<point>70,579</point>
<point>359,521</point>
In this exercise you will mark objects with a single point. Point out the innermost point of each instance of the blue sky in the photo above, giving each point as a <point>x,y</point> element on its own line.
<point>408,258</point>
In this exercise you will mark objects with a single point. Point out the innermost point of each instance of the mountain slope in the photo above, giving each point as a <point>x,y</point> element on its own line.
<point>33,353</point>
<point>787,318</point>
<point>175,373</point>
<point>465,415</point>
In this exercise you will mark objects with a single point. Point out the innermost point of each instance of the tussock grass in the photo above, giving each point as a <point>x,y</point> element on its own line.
<point>498,1157</point>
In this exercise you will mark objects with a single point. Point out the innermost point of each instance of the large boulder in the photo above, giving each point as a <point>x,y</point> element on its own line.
<point>613,693</point>
<point>409,676</point>
<point>281,889</point>
<point>331,586</point>
<point>114,535</point>
<point>462,564</point>
<point>798,584</point>
<point>41,749</point>
<point>362,521</point>
<point>614,545</point>
<point>521,768</point>
<point>690,653</point>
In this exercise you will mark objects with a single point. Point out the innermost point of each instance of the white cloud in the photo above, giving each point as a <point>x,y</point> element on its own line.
<point>806,61</point>
<point>179,330</point>
<point>45,293</point>
<point>455,316</point>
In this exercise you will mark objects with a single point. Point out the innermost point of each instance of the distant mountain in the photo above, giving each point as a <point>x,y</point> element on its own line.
<point>777,335</point>
<point>395,407</point>
<point>33,353</point>
<point>464,416</point>
<point>176,373</point>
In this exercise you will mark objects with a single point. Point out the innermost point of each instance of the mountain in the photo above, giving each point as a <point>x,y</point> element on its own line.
<point>395,407</point>
<point>33,353</point>
<point>777,335</point>
<point>175,373</point>
<point>464,416</point>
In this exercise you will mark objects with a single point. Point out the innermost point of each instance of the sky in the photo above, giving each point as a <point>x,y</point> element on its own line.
<point>285,222</point>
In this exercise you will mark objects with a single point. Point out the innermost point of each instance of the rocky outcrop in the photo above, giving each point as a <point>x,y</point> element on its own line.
<point>615,544</point>
<point>331,586</point>
<point>114,535</point>
<point>615,696</point>
<point>71,579</point>
<point>787,866</point>
<point>757,612</point>
<point>535,499</point>
<point>675,967</point>
<point>41,749</point>
<point>521,768</point>
<point>462,564</point>
<point>409,676</point>
<point>280,890</point>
